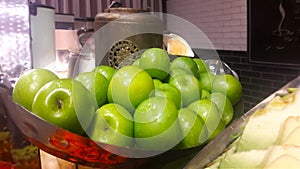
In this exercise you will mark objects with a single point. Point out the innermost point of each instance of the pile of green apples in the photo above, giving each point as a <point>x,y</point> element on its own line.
<point>153,104</point>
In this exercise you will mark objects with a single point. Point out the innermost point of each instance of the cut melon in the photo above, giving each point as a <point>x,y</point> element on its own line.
<point>262,128</point>
<point>270,138</point>
<point>246,159</point>
<point>284,161</point>
<point>230,150</point>
<point>273,157</point>
<point>290,132</point>
<point>282,156</point>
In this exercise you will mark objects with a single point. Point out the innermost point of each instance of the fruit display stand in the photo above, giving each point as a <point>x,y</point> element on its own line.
<point>72,150</point>
<point>15,150</point>
<point>222,142</point>
<point>79,150</point>
<point>63,147</point>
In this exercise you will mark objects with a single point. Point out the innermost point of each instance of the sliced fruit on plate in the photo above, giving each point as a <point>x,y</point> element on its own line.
<point>230,150</point>
<point>273,157</point>
<point>289,132</point>
<point>246,159</point>
<point>264,125</point>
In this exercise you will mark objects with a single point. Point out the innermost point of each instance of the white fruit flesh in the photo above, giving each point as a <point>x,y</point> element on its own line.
<point>290,132</point>
<point>262,129</point>
<point>282,157</point>
<point>246,159</point>
<point>270,138</point>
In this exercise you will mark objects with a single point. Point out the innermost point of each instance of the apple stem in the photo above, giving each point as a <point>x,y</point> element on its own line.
<point>59,103</point>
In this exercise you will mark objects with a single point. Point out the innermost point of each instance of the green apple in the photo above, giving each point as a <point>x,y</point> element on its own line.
<point>175,72</point>
<point>129,86</point>
<point>65,103</point>
<point>185,63</point>
<point>192,127</point>
<point>28,84</point>
<point>224,105</point>
<point>155,124</point>
<point>156,62</point>
<point>156,82</point>
<point>113,124</point>
<point>189,87</point>
<point>220,127</point>
<point>105,70</point>
<point>206,80</point>
<point>204,94</point>
<point>228,85</point>
<point>168,91</point>
<point>96,83</point>
<point>201,65</point>
<point>136,62</point>
<point>209,112</point>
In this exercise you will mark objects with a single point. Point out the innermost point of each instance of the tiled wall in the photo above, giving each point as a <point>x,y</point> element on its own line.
<point>224,22</point>
<point>258,80</point>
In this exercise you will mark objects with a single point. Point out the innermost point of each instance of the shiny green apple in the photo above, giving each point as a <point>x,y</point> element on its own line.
<point>201,65</point>
<point>228,85</point>
<point>185,63</point>
<point>175,72</point>
<point>189,87</point>
<point>65,103</point>
<point>113,124</point>
<point>206,80</point>
<point>105,70</point>
<point>96,83</point>
<point>192,127</point>
<point>211,116</point>
<point>168,91</point>
<point>204,94</point>
<point>156,82</point>
<point>155,124</point>
<point>156,62</point>
<point>224,105</point>
<point>129,86</point>
<point>29,83</point>
<point>136,62</point>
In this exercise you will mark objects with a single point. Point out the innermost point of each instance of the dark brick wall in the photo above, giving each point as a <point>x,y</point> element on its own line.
<point>258,80</point>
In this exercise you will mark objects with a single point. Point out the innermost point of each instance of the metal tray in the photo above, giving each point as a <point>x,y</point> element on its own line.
<point>218,145</point>
<point>84,151</point>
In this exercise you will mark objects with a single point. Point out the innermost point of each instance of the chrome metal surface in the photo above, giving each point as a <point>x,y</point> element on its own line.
<point>142,30</point>
<point>15,55</point>
<point>218,145</point>
<point>121,50</point>
<point>219,67</point>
